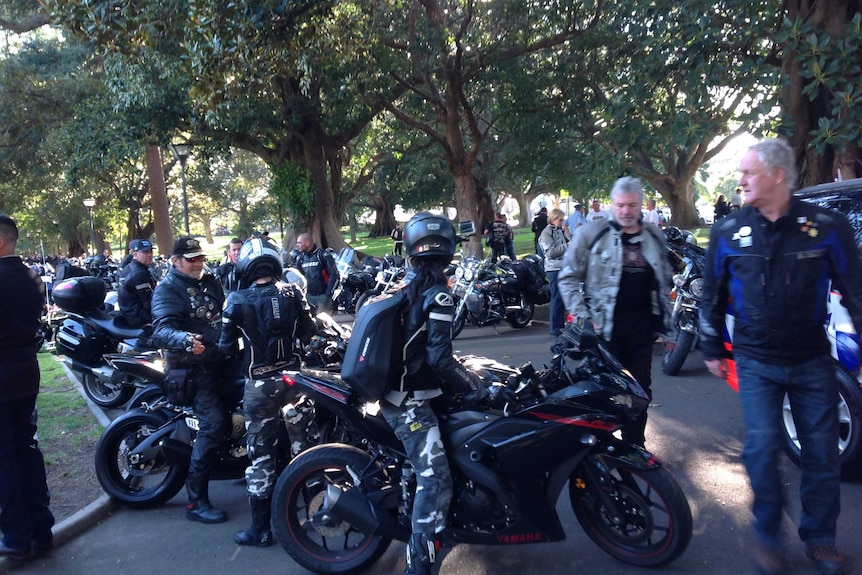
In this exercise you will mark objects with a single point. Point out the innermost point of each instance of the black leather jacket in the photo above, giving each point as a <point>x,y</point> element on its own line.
<point>777,276</point>
<point>22,296</point>
<point>182,306</point>
<point>428,335</point>
<point>136,293</point>
<point>226,274</point>
<point>319,271</point>
<point>269,318</point>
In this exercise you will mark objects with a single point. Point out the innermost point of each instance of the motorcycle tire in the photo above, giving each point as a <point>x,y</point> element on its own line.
<point>105,395</point>
<point>147,395</point>
<point>519,319</point>
<point>327,547</point>
<point>849,427</point>
<point>364,298</point>
<point>674,359</point>
<point>458,324</point>
<point>157,482</point>
<point>656,521</point>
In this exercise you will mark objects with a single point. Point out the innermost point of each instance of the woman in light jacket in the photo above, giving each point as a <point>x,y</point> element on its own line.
<point>553,242</point>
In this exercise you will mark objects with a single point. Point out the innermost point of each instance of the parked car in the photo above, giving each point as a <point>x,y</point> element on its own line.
<point>844,197</point>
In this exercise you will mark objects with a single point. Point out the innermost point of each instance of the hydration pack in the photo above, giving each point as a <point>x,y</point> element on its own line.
<point>374,359</point>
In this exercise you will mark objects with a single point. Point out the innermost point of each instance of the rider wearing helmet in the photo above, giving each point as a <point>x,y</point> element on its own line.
<point>269,317</point>
<point>431,371</point>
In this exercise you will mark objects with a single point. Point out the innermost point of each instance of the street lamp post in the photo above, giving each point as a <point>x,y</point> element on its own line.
<point>181,153</point>
<point>90,204</point>
<point>57,230</point>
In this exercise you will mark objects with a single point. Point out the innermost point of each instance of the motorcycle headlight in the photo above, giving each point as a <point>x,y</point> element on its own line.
<point>679,280</point>
<point>459,273</point>
<point>697,288</point>
<point>468,275</point>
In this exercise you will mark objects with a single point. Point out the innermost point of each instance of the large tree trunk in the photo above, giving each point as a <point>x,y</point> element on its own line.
<point>159,200</point>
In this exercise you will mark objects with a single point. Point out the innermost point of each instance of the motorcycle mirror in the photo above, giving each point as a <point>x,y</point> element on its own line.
<point>467,229</point>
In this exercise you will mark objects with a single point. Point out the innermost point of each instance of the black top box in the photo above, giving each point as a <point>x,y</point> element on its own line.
<point>80,295</point>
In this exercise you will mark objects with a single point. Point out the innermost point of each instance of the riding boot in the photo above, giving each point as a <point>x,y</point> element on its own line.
<point>259,534</point>
<point>421,554</point>
<point>199,507</point>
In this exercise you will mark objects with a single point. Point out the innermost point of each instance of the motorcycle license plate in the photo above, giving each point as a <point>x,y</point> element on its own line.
<point>193,423</point>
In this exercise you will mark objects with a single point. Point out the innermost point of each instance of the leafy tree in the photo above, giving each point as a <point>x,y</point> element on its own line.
<point>448,55</point>
<point>821,95</point>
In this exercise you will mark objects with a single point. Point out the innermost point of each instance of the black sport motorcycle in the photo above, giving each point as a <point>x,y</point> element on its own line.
<point>88,337</point>
<point>687,260</point>
<point>336,508</point>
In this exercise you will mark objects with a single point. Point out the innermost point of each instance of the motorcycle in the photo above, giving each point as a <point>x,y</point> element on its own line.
<point>352,283</point>
<point>688,261</point>
<point>336,508</point>
<point>326,349</point>
<point>88,334</point>
<point>390,271</point>
<point>486,293</point>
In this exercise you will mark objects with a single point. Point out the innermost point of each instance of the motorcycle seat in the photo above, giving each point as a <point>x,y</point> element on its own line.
<point>114,325</point>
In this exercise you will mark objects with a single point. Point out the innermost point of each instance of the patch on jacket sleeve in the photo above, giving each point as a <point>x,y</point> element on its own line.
<point>444,299</point>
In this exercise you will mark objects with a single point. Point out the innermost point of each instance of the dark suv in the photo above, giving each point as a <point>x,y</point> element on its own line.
<point>844,197</point>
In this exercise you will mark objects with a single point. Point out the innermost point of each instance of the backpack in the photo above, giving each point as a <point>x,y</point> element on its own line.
<point>374,358</point>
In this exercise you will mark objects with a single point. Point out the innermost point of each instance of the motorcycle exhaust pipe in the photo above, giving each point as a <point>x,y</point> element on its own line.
<point>352,507</point>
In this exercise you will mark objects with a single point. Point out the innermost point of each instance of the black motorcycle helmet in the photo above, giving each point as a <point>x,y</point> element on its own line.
<point>258,257</point>
<point>672,234</point>
<point>427,235</point>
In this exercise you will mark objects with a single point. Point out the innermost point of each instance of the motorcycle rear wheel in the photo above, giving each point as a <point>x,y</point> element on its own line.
<point>141,488</point>
<point>329,546</point>
<point>103,394</point>
<point>519,319</point>
<point>674,359</point>
<point>849,427</point>
<point>656,519</point>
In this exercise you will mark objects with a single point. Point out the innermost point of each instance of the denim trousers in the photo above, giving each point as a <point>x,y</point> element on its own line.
<point>813,391</point>
<point>558,308</point>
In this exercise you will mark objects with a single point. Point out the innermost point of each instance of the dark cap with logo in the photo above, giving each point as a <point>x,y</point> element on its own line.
<point>188,247</point>
<point>141,246</point>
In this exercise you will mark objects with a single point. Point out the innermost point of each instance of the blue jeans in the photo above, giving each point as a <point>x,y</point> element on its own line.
<point>813,391</point>
<point>558,308</point>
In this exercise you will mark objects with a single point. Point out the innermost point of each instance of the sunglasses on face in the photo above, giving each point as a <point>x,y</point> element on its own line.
<point>194,259</point>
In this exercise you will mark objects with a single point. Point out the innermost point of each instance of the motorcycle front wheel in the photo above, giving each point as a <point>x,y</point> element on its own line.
<point>145,484</point>
<point>459,322</point>
<point>675,357</point>
<point>107,395</point>
<point>650,523</point>
<point>849,427</point>
<point>322,544</point>
<point>519,319</point>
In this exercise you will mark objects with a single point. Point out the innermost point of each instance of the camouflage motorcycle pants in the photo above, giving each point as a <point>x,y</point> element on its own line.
<point>415,425</point>
<point>262,404</point>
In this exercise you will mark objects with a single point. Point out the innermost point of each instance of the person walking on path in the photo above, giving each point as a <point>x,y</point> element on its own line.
<point>25,518</point>
<point>774,260</point>
<point>397,236</point>
<point>616,277</point>
<point>553,243</point>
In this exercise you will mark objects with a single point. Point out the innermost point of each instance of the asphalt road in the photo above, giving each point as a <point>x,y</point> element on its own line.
<point>694,427</point>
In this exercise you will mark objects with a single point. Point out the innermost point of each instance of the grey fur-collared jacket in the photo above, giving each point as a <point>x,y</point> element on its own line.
<point>593,268</point>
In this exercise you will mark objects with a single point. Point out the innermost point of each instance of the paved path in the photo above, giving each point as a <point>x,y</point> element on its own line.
<point>694,426</point>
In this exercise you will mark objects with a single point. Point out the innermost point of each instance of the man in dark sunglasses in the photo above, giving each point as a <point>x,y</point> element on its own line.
<point>187,307</point>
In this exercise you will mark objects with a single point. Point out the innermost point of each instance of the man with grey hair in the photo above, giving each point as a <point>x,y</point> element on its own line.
<point>616,279</point>
<point>774,258</point>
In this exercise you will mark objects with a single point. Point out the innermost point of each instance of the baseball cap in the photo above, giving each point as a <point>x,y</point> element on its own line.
<point>579,206</point>
<point>188,247</point>
<point>141,246</point>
